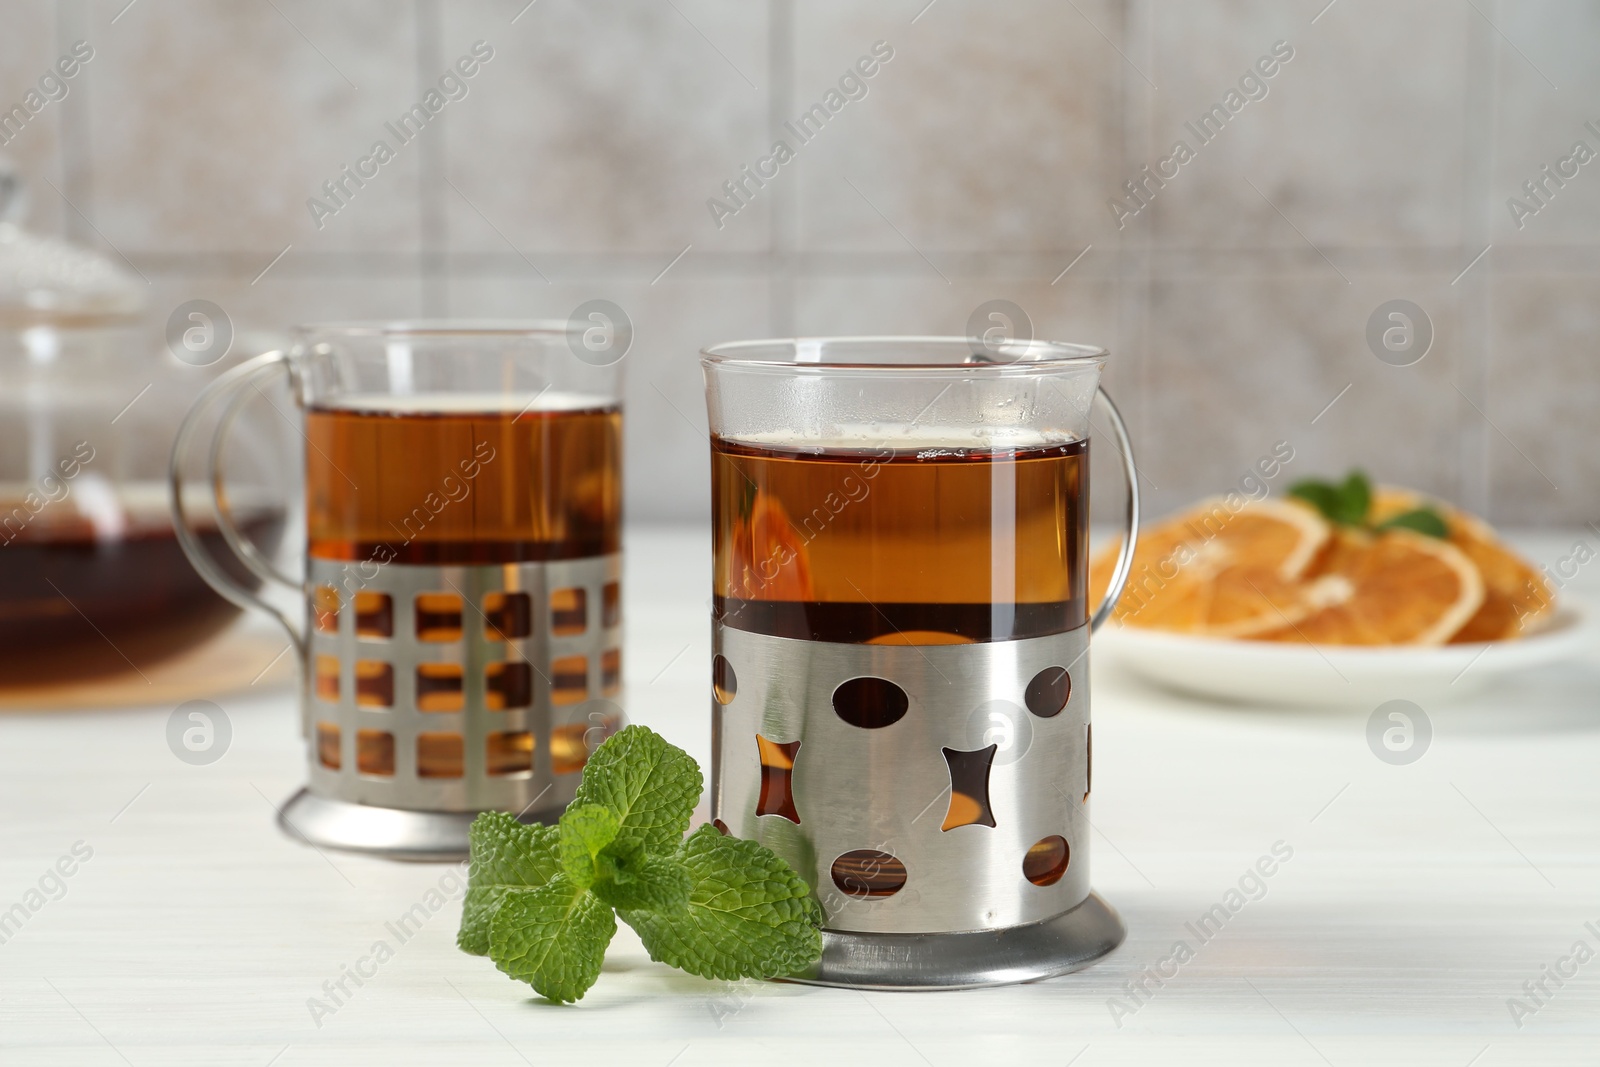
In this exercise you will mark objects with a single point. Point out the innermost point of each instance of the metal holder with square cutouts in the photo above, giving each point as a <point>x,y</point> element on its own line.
<point>435,692</point>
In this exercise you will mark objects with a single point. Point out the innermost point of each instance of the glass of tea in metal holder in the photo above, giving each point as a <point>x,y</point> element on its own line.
<point>458,622</point>
<point>900,635</point>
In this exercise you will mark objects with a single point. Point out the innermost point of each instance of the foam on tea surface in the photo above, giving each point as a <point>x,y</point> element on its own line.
<point>451,403</point>
<point>931,440</point>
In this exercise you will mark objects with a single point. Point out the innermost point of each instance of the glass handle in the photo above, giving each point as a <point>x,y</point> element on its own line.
<point>1119,576</point>
<point>228,389</point>
<point>252,557</point>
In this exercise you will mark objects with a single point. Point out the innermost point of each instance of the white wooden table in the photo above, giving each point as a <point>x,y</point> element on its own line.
<point>1418,900</point>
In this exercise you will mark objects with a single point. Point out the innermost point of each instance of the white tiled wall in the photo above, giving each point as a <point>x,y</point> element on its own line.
<point>979,163</point>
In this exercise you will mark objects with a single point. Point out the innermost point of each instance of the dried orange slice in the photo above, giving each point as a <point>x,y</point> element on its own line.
<point>1396,587</point>
<point>766,555</point>
<point>1517,598</point>
<point>1218,570</point>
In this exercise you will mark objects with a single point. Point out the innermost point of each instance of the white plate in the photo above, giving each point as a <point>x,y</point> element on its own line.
<point>1266,672</point>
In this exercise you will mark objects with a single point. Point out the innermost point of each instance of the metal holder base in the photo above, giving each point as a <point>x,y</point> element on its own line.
<point>911,962</point>
<point>392,833</point>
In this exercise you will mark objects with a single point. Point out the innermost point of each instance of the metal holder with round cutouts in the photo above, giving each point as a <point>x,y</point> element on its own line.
<point>934,796</point>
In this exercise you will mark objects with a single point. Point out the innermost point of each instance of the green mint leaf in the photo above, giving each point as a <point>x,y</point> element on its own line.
<point>554,938</point>
<point>629,877</point>
<point>749,915</point>
<point>1422,520</point>
<point>1323,496</point>
<point>506,856</point>
<point>1355,499</point>
<point>1346,503</point>
<point>585,830</point>
<point>651,785</point>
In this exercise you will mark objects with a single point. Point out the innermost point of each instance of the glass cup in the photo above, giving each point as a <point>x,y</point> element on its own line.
<point>458,620</point>
<point>900,628</point>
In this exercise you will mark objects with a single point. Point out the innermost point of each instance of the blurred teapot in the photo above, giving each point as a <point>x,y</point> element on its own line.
<point>92,580</point>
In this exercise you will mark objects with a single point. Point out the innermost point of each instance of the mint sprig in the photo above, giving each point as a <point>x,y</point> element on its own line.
<point>748,914</point>
<point>506,857</point>
<point>542,901</point>
<point>1422,520</point>
<point>1346,503</point>
<point>553,937</point>
<point>650,785</point>
<point>1349,503</point>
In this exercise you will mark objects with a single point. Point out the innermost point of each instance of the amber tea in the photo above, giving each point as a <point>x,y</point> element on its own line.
<point>464,483</point>
<point>939,544</point>
<point>92,585</point>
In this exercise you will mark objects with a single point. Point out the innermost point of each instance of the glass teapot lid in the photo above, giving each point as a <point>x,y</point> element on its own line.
<point>47,281</point>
